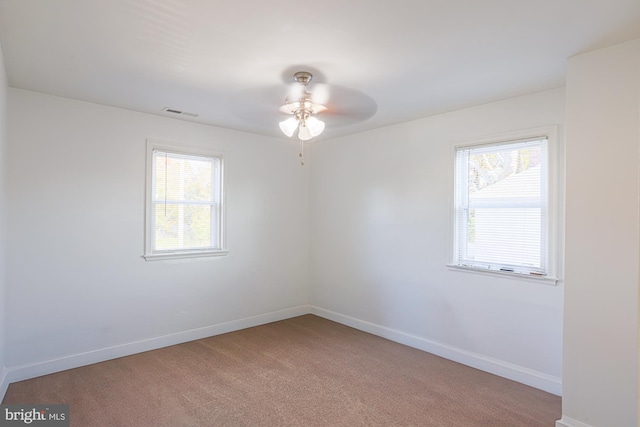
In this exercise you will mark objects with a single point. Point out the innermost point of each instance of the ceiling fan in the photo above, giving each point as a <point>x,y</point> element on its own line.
<point>303,109</point>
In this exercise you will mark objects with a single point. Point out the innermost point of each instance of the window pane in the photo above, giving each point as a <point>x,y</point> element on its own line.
<point>182,178</point>
<point>179,226</point>
<point>501,173</point>
<point>184,202</point>
<point>504,236</point>
<point>501,205</point>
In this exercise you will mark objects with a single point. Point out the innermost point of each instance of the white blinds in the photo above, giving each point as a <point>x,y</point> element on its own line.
<point>501,206</point>
<point>185,203</point>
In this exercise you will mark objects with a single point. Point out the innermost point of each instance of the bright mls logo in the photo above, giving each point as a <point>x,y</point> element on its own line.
<point>34,415</point>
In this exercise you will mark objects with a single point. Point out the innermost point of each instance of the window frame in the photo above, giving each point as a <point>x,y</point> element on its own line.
<point>552,244</point>
<point>150,254</point>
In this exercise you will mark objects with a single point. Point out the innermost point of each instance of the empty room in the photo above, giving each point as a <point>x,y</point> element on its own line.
<point>414,213</point>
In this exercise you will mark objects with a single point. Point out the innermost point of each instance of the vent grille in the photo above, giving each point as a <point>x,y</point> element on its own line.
<point>179,112</point>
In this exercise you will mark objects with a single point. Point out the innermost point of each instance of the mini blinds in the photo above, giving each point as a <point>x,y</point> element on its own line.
<point>501,206</point>
<point>186,202</point>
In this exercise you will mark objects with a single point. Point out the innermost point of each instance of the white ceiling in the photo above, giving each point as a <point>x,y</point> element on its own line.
<point>413,57</point>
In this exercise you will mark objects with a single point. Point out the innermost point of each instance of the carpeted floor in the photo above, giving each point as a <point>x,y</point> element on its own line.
<point>305,371</point>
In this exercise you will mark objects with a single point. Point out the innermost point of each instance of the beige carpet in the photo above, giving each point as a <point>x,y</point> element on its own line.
<point>305,371</point>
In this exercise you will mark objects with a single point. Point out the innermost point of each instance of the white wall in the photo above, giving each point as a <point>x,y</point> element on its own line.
<point>600,379</point>
<point>76,279</point>
<point>3,215</point>
<point>380,204</point>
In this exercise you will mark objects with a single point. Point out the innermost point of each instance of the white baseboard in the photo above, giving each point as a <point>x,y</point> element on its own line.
<point>4,382</point>
<point>517,373</point>
<point>570,422</point>
<point>540,380</point>
<point>24,372</point>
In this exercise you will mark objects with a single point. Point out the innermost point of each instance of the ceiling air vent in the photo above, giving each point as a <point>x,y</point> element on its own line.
<point>179,112</point>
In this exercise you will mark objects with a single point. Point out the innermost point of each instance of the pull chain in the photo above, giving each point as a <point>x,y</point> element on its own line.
<point>301,152</point>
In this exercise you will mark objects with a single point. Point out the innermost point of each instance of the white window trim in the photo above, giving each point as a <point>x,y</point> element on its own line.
<point>546,280</point>
<point>551,132</point>
<point>149,253</point>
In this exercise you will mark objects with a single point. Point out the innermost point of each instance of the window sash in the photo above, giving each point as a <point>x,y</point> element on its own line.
<point>214,242</point>
<point>506,246</point>
<point>191,198</point>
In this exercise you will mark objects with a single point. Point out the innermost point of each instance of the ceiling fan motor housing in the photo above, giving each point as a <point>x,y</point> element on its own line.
<point>303,77</point>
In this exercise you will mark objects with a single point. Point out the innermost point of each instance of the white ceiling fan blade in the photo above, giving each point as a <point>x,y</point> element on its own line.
<point>259,106</point>
<point>320,93</point>
<point>295,91</point>
<point>347,106</point>
<point>333,105</point>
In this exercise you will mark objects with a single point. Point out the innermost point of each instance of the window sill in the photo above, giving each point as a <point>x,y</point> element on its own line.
<point>546,280</point>
<point>182,255</point>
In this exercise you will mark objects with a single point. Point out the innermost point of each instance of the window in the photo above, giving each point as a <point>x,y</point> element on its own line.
<point>184,215</point>
<point>503,210</point>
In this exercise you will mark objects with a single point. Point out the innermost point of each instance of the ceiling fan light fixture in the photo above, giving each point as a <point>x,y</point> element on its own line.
<point>315,126</point>
<point>300,105</point>
<point>304,134</point>
<point>289,126</point>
